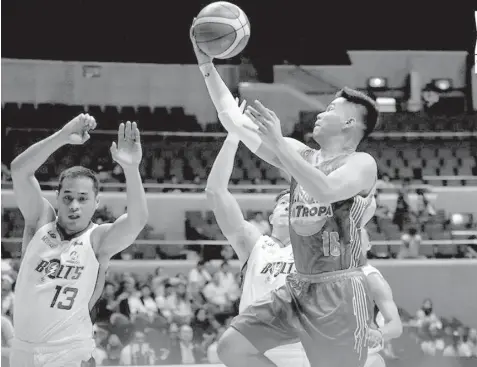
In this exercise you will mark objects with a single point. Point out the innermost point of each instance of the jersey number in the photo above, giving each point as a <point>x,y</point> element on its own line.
<point>67,303</point>
<point>331,243</point>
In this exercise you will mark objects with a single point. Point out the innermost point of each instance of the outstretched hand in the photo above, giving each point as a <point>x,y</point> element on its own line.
<point>128,151</point>
<point>267,124</point>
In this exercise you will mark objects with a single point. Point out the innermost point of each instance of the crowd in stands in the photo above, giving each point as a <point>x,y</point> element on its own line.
<point>162,320</point>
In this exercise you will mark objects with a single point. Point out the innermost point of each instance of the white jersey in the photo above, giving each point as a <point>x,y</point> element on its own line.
<point>54,286</point>
<point>266,269</point>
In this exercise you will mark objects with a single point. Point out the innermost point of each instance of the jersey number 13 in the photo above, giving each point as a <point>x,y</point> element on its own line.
<point>67,300</point>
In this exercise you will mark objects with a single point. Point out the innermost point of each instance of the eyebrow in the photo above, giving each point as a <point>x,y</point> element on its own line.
<point>70,192</point>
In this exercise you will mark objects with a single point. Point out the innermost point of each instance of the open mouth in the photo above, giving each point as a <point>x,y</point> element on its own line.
<point>73,216</point>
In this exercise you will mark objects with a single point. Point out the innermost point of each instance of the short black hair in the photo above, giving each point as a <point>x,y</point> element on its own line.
<point>371,115</point>
<point>281,194</point>
<point>79,171</point>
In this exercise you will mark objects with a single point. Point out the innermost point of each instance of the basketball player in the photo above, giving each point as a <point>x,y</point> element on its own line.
<point>326,303</point>
<point>266,260</point>
<point>386,314</point>
<point>60,252</point>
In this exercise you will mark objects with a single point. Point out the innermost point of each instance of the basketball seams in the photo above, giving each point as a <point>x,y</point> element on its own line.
<point>223,14</point>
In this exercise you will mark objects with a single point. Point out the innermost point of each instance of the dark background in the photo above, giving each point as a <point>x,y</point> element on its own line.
<point>302,32</point>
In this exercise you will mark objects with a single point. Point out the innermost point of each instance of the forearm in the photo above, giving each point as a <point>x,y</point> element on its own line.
<point>137,210</point>
<point>31,159</point>
<point>229,112</point>
<point>310,178</point>
<point>391,330</point>
<point>219,176</point>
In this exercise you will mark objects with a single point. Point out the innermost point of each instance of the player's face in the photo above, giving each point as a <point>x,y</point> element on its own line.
<point>334,119</point>
<point>279,216</point>
<point>77,203</point>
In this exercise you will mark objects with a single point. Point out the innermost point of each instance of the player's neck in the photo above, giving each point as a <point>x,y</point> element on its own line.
<point>335,146</point>
<point>281,234</point>
<point>66,235</point>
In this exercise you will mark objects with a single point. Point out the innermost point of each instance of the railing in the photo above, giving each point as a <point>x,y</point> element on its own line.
<point>225,243</point>
<point>271,187</point>
<point>376,134</point>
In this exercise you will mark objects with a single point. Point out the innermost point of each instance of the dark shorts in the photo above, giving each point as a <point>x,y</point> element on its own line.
<point>329,313</point>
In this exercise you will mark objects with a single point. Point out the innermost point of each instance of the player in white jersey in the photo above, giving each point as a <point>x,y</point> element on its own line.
<point>266,260</point>
<point>61,252</point>
<point>387,318</point>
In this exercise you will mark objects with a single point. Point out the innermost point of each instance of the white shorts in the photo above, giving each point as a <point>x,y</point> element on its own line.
<point>375,360</point>
<point>72,354</point>
<point>288,355</point>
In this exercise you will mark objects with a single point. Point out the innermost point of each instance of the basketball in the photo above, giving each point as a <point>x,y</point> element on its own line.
<point>221,30</point>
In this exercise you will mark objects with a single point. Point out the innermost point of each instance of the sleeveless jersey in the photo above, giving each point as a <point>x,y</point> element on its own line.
<point>265,270</point>
<point>55,283</point>
<point>326,237</point>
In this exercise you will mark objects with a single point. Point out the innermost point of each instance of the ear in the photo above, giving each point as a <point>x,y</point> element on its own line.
<point>270,218</point>
<point>97,202</point>
<point>57,193</point>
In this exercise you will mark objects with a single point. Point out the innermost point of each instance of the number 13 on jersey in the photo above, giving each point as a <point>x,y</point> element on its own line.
<point>331,243</point>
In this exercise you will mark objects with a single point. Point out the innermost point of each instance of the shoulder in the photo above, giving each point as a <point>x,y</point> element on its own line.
<point>97,235</point>
<point>364,161</point>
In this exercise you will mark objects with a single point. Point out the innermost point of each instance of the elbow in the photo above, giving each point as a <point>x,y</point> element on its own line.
<point>399,329</point>
<point>211,193</point>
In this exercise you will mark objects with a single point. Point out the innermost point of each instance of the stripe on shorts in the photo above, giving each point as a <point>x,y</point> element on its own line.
<point>361,313</point>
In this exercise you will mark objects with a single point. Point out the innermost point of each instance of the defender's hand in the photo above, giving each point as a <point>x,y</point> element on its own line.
<point>374,339</point>
<point>128,151</point>
<point>202,58</point>
<point>76,131</point>
<point>267,124</point>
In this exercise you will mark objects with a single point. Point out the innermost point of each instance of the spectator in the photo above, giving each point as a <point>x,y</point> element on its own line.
<point>410,243</point>
<point>8,297</point>
<point>6,174</point>
<point>143,303</point>
<point>385,183</point>
<point>113,348</point>
<point>402,214</point>
<point>127,296</point>
<point>201,325</point>
<point>217,294</point>
<point>228,281</point>
<point>227,253</point>
<point>138,352</point>
<point>177,306</point>
<point>212,356</point>
<point>7,338</point>
<point>425,316</point>
<point>199,276</point>
<point>458,348</point>
<point>434,343</point>
<point>100,336</point>
<point>107,304</point>
<point>158,282</point>
<point>185,351</point>
<point>260,222</point>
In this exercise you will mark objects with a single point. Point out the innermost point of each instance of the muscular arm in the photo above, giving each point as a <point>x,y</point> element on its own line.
<point>26,188</point>
<point>356,176</point>
<point>233,120</point>
<point>114,238</point>
<point>383,296</point>
<point>241,234</point>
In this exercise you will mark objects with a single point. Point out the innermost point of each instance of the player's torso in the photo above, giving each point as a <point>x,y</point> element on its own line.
<point>326,238</point>
<point>266,269</point>
<point>54,285</point>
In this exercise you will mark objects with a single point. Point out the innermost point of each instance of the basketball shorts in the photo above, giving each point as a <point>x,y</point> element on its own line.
<point>288,355</point>
<point>74,354</point>
<point>329,313</point>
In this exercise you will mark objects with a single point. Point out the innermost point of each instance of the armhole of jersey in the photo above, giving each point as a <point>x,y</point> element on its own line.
<point>28,245</point>
<point>243,269</point>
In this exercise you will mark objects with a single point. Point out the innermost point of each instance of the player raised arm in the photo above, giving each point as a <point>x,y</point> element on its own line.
<point>383,297</point>
<point>229,113</point>
<point>356,176</point>
<point>111,239</point>
<point>241,234</point>
<point>36,210</point>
